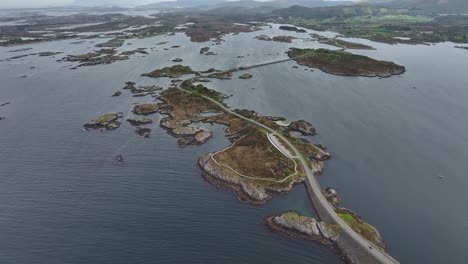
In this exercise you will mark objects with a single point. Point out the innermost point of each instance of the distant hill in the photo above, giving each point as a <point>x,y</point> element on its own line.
<point>329,11</point>
<point>110,2</point>
<point>437,6</point>
<point>245,3</point>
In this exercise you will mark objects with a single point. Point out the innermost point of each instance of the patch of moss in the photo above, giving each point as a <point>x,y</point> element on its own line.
<point>105,118</point>
<point>366,230</point>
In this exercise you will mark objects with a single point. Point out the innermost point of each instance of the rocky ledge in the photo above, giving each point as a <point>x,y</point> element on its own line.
<point>143,131</point>
<point>303,127</point>
<point>246,76</point>
<point>247,190</point>
<point>290,28</point>
<point>303,227</point>
<point>296,225</point>
<point>139,122</point>
<point>145,109</point>
<point>108,122</point>
<point>198,138</point>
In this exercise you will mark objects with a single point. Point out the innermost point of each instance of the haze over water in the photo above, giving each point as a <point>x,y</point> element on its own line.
<point>64,200</point>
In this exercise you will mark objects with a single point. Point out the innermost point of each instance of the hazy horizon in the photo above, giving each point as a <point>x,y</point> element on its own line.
<point>42,3</point>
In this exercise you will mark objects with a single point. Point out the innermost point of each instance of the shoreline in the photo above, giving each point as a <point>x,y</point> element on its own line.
<point>320,240</point>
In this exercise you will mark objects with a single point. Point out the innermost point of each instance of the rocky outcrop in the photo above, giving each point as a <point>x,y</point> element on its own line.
<point>145,109</point>
<point>139,122</point>
<point>224,179</point>
<point>263,37</point>
<point>202,136</point>
<point>103,56</point>
<point>143,131</point>
<point>204,50</point>
<point>290,28</point>
<point>175,71</point>
<point>118,93</point>
<point>48,53</point>
<point>303,227</point>
<point>108,122</point>
<point>332,197</point>
<point>198,138</point>
<point>303,127</point>
<point>113,43</point>
<point>246,76</point>
<point>246,189</point>
<point>132,52</point>
<point>129,85</point>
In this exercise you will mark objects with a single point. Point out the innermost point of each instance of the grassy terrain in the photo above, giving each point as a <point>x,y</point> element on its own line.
<point>388,25</point>
<point>344,63</point>
<point>202,90</point>
<point>366,230</point>
<point>106,118</point>
<point>332,56</point>
<point>254,156</point>
<point>172,72</point>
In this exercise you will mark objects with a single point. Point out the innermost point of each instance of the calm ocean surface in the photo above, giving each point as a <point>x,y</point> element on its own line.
<point>64,200</point>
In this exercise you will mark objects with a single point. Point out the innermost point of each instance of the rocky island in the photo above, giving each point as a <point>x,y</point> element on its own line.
<point>304,227</point>
<point>172,72</point>
<point>284,39</point>
<point>251,166</point>
<point>145,109</point>
<point>340,62</point>
<point>108,122</point>
<point>246,76</point>
<point>340,43</point>
<point>102,56</point>
<point>291,28</point>
<point>139,122</point>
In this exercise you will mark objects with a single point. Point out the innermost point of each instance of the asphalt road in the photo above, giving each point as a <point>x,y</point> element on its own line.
<point>361,243</point>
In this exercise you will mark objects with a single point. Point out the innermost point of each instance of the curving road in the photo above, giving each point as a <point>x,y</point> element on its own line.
<point>359,243</point>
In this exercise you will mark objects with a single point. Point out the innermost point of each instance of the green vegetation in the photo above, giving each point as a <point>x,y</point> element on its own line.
<point>202,90</point>
<point>388,25</point>
<point>366,230</point>
<point>106,118</point>
<point>172,72</point>
<point>150,31</point>
<point>285,39</point>
<point>340,62</point>
<point>332,56</point>
<point>295,217</point>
